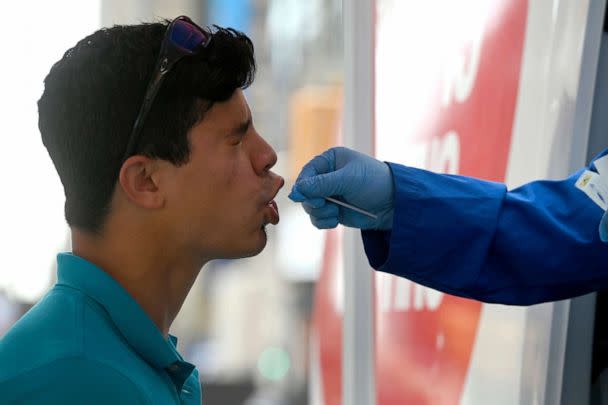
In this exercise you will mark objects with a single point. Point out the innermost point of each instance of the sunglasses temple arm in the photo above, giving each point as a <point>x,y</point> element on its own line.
<point>143,112</point>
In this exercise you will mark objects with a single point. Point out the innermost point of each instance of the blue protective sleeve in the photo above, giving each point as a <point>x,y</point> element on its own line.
<point>475,239</point>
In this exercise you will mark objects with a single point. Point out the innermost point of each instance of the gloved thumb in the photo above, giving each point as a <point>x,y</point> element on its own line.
<point>322,185</point>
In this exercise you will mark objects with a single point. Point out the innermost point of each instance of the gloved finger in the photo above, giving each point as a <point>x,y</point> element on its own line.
<point>324,223</point>
<point>323,185</point>
<point>355,220</point>
<point>318,165</point>
<point>327,211</point>
<point>295,195</point>
<point>314,203</point>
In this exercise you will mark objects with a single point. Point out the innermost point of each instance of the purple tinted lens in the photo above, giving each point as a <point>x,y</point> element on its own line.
<point>187,36</point>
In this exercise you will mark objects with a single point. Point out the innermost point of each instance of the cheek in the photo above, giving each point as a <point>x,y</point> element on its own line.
<point>223,168</point>
<point>225,188</point>
<point>229,175</point>
<point>221,190</point>
<point>235,173</point>
<point>223,179</point>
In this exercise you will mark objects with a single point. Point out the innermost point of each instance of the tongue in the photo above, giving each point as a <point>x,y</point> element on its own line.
<point>275,212</point>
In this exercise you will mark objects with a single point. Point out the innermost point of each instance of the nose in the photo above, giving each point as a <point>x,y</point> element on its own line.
<point>264,156</point>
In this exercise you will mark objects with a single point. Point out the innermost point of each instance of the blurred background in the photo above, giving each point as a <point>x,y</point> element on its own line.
<point>245,324</point>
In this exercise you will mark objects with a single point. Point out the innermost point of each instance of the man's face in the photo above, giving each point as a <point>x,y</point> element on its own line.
<point>220,201</point>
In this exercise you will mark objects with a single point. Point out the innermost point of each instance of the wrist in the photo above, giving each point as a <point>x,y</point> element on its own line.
<point>390,185</point>
<point>385,220</point>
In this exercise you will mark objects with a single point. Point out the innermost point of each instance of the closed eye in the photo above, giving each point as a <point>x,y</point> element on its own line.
<point>236,139</point>
<point>238,133</point>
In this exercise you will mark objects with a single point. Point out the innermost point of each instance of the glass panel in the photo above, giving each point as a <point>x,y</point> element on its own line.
<point>259,311</point>
<point>246,324</point>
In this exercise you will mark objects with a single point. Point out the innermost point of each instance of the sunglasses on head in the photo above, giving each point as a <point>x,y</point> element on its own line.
<point>182,38</point>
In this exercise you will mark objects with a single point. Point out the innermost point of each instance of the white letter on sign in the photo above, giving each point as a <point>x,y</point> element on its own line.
<point>444,154</point>
<point>459,76</point>
<point>397,294</point>
<point>426,298</point>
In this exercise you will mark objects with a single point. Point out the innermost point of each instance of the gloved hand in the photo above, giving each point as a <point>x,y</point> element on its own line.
<point>352,177</point>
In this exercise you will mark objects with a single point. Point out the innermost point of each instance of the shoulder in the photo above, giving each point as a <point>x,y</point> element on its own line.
<point>72,380</point>
<point>50,330</point>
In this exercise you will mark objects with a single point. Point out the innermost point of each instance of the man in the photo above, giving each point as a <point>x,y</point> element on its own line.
<point>464,236</point>
<point>156,186</point>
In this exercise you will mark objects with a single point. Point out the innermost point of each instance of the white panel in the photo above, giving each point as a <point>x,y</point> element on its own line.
<point>357,354</point>
<point>497,357</point>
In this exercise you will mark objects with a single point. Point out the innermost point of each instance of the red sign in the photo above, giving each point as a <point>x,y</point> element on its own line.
<point>464,121</point>
<point>327,321</point>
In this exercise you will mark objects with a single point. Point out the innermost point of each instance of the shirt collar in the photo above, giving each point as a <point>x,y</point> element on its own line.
<point>130,319</point>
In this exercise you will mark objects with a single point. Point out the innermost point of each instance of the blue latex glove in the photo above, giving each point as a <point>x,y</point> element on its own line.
<point>352,177</point>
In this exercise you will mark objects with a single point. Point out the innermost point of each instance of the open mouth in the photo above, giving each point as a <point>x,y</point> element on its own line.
<point>271,209</point>
<point>273,212</point>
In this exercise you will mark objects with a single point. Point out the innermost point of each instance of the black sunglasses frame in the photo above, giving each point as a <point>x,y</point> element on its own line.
<point>170,53</point>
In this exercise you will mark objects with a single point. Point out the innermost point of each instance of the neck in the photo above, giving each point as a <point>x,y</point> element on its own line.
<point>157,275</point>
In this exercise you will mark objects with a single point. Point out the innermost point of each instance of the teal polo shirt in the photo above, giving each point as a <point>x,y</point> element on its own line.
<point>89,342</point>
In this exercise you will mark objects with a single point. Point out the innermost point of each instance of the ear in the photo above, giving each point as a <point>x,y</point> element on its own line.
<point>138,180</point>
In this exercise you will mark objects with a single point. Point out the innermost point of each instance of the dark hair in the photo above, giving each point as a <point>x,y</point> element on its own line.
<point>93,94</point>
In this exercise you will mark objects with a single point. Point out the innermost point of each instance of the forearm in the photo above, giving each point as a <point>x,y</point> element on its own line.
<point>474,239</point>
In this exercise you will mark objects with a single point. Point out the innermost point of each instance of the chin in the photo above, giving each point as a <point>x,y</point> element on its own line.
<point>261,244</point>
<point>252,249</point>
